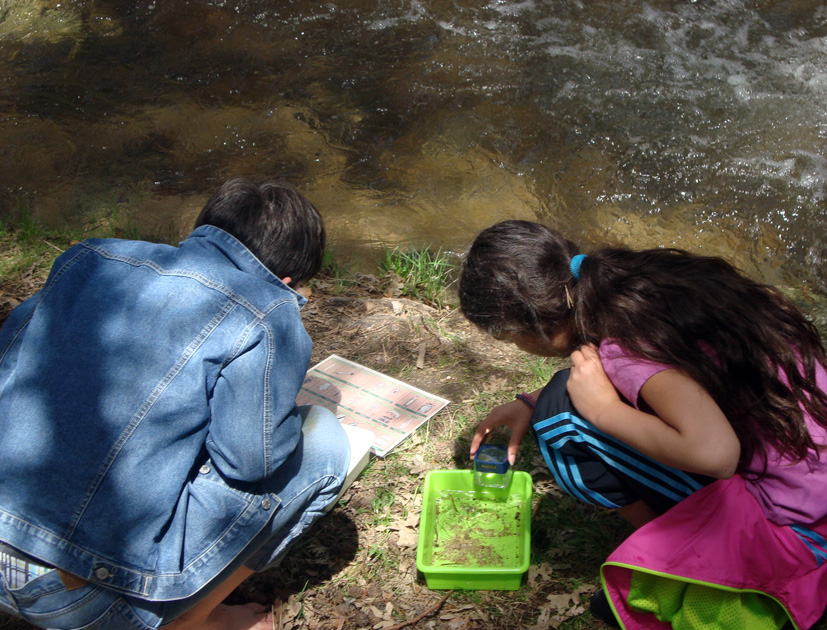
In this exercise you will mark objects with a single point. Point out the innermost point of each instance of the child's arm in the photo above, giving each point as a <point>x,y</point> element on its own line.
<point>687,429</point>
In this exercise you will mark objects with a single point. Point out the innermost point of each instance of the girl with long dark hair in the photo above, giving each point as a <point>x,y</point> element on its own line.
<point>696,406</point>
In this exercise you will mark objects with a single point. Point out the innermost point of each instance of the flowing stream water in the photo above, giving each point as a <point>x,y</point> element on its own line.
<point>700,124</point>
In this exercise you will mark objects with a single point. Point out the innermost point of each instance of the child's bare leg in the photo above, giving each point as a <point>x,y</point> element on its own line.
<point>637,513</point>
<point>211,614</point>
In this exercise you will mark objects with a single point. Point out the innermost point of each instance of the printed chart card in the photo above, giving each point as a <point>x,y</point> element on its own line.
<point>367,399</point>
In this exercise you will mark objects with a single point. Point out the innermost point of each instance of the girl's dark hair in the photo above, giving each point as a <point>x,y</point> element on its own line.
<point>513,279</point>
<point>749,347</point>
<point>274,221</point>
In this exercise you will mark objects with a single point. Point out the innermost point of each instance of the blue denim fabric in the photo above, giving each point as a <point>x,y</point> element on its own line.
<point>307,482</point>
<point>135,367</point>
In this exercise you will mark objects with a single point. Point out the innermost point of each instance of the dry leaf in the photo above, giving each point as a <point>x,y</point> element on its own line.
<point>560,601</point>
<point>393,286</point>
<point>408,538</point>
<point>419,466</point>
<point>542,620</point>
<point>497,384</point>
<point>561,607</point>
<point>538,574</point>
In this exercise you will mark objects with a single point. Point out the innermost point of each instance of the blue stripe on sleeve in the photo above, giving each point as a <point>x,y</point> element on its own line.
<point>815,542</point>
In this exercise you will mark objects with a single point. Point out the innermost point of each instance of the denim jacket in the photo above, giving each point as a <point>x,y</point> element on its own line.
<point>139,376</point>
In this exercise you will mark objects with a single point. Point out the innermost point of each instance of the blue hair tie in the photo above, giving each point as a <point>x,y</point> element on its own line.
<point>574,265</point>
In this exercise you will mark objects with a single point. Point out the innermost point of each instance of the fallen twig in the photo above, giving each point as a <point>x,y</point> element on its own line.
<point>430,611</point>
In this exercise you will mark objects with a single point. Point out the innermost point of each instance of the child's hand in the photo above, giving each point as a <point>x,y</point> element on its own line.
<point>515,415</point>
<point>591,391</point>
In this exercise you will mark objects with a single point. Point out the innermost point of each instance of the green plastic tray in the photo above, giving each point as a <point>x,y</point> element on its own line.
<point>471,539</point>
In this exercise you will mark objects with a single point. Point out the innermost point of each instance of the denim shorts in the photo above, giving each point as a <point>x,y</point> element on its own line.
<point>306,484</point>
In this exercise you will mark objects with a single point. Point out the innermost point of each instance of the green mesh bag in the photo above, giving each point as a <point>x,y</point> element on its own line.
<point>691,606</point>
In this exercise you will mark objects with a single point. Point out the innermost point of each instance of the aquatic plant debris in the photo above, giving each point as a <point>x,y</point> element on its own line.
<point>474,532</point>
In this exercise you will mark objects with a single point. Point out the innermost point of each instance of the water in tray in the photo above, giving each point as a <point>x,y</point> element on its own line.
<point>474,532</point>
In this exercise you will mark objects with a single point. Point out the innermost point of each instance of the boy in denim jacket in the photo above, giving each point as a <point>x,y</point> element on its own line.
<point>153,456</point>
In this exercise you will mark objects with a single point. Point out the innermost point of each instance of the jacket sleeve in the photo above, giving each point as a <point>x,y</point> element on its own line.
<point>255,424</point>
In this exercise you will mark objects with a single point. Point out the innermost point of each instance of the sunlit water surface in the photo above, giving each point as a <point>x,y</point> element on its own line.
<point>697,124</point>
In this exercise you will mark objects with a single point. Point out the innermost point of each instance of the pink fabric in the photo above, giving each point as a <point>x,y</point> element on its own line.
<point>732,533</point>
<point>794,492</point>
<point>719,536</point>
<point>626,372</point>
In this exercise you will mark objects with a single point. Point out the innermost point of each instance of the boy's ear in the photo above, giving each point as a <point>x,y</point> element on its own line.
<point>287,280</point>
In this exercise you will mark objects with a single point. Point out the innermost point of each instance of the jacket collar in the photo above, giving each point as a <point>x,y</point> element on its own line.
<point>239,255</point>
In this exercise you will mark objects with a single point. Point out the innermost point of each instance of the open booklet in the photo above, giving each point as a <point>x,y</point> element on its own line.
<point>377,411</point>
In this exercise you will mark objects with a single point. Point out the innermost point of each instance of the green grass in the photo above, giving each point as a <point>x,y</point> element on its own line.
<point>121,224</point>
<point>336,272</point>
<point>28,250</point>
<point>540,369</point>
<point>425,274</point>
<point>23,225</point>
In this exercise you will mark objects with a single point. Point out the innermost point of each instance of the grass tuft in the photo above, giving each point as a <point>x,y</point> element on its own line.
<point>336,272</point>
<point>425,274</point>
<point>22,224</point>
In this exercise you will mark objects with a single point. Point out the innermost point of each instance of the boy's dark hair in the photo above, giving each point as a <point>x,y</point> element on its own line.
<point>274,221</point>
